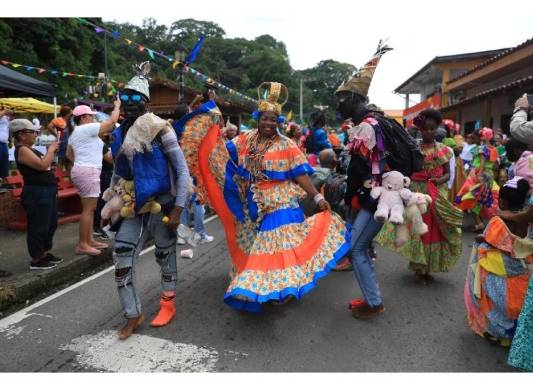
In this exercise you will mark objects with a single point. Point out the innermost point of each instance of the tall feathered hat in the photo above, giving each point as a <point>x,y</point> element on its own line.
<point>269,94</point>
<point>359,83</point>
<point>139,82</point>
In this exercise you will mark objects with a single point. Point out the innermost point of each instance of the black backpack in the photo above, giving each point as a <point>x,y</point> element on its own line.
<point>403,153</point>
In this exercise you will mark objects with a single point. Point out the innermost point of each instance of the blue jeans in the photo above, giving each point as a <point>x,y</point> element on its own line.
<point>199,212</point>
<point>364,229</point>
<point>129,240</point>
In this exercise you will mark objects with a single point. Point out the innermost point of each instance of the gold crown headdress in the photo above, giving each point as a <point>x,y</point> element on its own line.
<point>269,93</point>
<point>360,81</point>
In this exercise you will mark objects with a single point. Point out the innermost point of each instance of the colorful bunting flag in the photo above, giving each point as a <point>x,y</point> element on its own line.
<point>173,61</point>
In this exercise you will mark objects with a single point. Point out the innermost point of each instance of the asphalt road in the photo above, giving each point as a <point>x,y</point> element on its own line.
<point>424,327</point>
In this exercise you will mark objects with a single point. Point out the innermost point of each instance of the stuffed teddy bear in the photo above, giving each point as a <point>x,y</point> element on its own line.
<point>414,209</point>
<point>128,209</point>
<point>391,195</point>
<point>114,203</point>
<point>120,200</point>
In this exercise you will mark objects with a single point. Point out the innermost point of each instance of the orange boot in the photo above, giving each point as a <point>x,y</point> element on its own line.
<point>167,311</point>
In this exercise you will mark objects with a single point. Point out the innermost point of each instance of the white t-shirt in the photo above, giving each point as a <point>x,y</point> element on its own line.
<point>87,146</point>
<point>4,129</point>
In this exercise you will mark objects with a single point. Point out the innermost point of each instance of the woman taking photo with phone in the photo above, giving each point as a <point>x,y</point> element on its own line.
<point>39,194</point>
<point>85,151</point>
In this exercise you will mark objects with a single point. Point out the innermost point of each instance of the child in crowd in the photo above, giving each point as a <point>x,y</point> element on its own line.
<point>498,276</point>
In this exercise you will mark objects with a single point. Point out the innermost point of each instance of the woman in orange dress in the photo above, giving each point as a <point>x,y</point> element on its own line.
<point>254,183</point>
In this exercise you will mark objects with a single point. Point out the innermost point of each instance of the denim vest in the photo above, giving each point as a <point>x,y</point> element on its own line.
<point>150,170</point>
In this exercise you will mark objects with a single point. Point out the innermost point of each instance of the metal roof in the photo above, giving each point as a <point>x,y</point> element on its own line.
<point>495,58</point>
<point>445,59</point>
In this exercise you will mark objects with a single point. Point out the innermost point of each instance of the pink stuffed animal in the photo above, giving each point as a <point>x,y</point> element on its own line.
<point>391,195</point>
<point>114,202</point>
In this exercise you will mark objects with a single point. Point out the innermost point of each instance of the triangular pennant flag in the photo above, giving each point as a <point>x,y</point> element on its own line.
<point>41,70</point>
<point>98,30</point>
<point>29,68</point>
<point>141,48</point>
<point>175,64</point>
<point>54,72</point>
<point>5,62</point>
<point>15,65</point>
<point>83,21</point>
<point>115,34</point>
<point>128,41</point>
<point>150,53</point>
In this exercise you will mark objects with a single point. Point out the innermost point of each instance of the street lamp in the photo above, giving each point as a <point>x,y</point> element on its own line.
<point>180,54</point>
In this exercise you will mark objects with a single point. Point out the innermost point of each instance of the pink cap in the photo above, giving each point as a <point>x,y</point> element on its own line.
<point>83,110</point>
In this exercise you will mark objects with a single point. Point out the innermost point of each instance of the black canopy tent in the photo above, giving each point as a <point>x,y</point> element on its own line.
<point>15,84</point>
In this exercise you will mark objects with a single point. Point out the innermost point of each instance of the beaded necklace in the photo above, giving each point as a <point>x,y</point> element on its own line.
<point>257,146</point>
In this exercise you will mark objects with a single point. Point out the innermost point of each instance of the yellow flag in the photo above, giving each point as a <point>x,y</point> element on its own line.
<point>289,115</point>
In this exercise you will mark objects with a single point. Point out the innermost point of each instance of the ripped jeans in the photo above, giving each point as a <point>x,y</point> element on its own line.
<point>129,242</point>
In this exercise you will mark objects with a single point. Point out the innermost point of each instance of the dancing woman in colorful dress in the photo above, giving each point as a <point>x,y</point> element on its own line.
<point>479,193</point>
<point>440,248</point>
<point>254,183</point>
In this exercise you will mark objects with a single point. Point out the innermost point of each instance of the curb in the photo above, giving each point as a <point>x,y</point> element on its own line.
<point>33,283</point>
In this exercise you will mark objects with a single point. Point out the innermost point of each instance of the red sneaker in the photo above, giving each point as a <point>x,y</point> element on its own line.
<point>355,303</point>
<point>367,311</point>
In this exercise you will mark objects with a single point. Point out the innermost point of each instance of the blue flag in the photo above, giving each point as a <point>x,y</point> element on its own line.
<point>195,50</point>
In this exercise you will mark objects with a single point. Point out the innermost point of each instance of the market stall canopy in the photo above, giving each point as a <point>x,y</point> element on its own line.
<point>27,105</point>
<point>13,83</point>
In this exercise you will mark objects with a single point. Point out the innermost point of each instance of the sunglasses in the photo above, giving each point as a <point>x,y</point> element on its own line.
<point>133,98</point>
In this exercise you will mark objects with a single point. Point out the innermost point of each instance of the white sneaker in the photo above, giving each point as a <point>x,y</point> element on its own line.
<point>181,241</point>
<point>205,239</point>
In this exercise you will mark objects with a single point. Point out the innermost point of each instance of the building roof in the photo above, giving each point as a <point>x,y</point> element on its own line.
<point>429,72</point>
<point>502,88</point>
<point>494,58</point>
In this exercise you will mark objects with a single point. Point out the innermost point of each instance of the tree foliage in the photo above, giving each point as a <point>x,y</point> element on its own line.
<point>65,44</point>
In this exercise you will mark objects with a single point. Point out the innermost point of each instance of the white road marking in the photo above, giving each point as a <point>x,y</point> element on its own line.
<point>20,315</point>
<point>140,353</point>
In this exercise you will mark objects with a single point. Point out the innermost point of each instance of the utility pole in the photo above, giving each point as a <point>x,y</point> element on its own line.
<point>301,102</point>
<point>106,72</point>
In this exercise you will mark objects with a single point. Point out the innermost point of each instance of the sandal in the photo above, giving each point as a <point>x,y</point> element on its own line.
<point>91,252</point>
<point>100,245</point>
